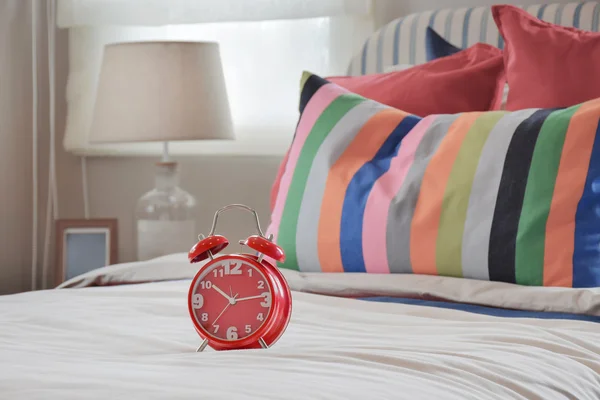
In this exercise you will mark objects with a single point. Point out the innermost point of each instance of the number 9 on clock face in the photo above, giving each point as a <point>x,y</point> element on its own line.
<point>231,299</point>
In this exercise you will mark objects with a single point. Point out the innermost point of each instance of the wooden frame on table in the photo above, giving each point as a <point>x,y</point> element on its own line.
<point>83,245</point>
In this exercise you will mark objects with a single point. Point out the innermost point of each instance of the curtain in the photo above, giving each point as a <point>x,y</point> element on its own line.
<point>167,12</point>
<point>263,58</point>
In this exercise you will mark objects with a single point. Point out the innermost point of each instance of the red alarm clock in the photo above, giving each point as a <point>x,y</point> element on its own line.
<point>238,301</point>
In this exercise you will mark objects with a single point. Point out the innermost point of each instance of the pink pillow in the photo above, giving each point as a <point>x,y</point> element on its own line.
<point>547,65</point>
<point>469,80</point>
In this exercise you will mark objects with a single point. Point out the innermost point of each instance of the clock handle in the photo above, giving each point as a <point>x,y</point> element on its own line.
<point>239,206</point>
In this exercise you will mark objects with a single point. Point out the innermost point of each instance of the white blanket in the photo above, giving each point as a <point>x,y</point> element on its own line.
<point>138,342</point>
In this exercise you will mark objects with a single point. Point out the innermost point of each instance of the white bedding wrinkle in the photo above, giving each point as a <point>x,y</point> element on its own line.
<point>138,342</point>
<point>485,293</point>
<point>495,294</point>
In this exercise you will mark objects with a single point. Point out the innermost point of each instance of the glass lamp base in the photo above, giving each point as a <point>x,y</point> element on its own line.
<point>165,217</point>
<point>160,238</point>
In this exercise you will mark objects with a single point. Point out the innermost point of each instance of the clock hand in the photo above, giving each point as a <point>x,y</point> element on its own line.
<point>225,309</point>
<point>229,299</point>
<point>219,316</point>
<point>250,298</point>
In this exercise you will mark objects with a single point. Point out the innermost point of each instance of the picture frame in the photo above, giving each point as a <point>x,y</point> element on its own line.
<point>83,245</point>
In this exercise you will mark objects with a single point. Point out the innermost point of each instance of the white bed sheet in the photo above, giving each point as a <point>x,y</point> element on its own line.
<point>137,342</point>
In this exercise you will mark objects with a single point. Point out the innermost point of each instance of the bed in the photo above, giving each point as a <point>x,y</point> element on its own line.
<point>350,337</point>
<point>123,331</point>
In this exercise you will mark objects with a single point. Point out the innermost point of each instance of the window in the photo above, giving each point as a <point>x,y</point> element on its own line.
<point>263,55</point>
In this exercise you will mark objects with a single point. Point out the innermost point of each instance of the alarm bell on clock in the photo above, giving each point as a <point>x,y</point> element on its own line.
<point>238,301</point>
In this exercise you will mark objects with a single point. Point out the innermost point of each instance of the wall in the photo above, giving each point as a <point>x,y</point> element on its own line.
<point>114,183</point>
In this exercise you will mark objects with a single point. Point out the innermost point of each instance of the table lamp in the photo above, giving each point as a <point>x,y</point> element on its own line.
<point>162,92</point>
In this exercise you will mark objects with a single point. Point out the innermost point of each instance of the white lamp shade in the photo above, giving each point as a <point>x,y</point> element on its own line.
<point>161,91</point>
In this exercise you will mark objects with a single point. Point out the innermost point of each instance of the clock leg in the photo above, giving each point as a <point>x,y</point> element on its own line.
<point>262,343</point>
<point>202,346</point>
<point>210,254</point>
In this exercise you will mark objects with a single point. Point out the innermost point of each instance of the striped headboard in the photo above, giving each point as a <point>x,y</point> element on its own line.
<point>402,41</point>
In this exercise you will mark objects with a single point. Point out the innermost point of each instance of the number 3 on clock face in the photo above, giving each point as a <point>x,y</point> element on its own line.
<point>267,302</point>
<point>231,299</point>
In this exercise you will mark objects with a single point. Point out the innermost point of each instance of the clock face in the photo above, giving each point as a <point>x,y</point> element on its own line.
<point>231,299</point>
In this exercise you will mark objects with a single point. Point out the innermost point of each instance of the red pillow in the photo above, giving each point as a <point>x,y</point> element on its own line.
<point>466,81</point>
<point>462,82</point>
<point>547,65</point>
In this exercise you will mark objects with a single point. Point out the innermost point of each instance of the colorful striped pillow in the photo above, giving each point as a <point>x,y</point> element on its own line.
<point>497,195</point>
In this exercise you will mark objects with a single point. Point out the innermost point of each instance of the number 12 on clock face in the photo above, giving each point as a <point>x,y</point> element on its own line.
<point>231,269</point>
